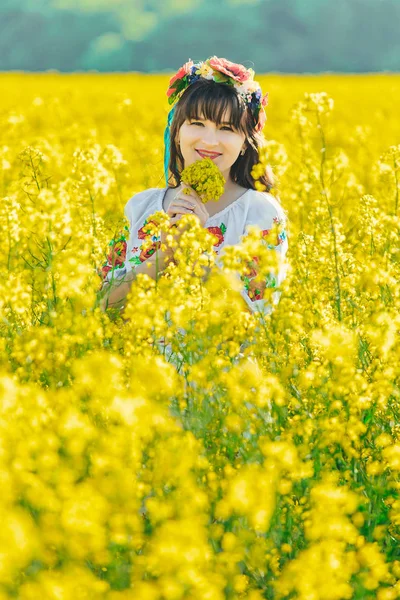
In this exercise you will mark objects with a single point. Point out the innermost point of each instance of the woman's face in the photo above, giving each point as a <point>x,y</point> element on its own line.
<point>202,135</point>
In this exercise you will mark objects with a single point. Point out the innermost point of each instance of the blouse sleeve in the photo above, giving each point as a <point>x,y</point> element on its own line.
<point>125,251</point>
<point>116,265</point>
<point>266,212</point>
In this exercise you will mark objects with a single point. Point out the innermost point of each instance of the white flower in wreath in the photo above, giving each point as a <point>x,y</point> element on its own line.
<point>250,86</point>
<point>205,71</point>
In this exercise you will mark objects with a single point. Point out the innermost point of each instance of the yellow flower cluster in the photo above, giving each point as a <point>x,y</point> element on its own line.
<point>205,178</point>
<point>184,447</point>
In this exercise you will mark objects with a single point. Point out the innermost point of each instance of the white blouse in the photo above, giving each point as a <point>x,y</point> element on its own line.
<point>229,224</point>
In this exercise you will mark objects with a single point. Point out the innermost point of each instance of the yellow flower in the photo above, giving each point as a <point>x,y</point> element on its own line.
<point>205,178</point>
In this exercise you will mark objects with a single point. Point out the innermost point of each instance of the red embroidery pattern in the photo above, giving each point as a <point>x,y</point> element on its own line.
<point>144,231</point>
<point>255,290</point>
<point>219,233</point>
<point>116,257</point>
<point>145,254</point>
<point>143,234</point>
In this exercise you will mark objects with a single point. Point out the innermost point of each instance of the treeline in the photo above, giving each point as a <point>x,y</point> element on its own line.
<point>276,35</point>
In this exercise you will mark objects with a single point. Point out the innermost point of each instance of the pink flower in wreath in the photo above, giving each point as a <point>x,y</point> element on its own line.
<point>262,117</point>
<point>184,70</point>
<point>237,72</point>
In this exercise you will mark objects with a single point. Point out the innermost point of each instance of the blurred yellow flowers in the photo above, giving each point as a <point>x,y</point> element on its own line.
<point>188,448</point>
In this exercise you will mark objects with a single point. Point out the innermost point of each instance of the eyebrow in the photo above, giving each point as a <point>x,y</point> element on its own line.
<point>222,122</point>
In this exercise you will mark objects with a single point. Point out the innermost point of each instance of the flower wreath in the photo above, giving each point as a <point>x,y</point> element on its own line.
<point>222,70</point>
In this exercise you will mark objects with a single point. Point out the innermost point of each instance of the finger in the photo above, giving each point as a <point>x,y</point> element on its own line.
<point>185,198</point>
<point>198,210</point>
<point>182,203</point>
<point>174,222</point>
<point>176,219</point>
<point>180,210</point>
<point>201,211</point>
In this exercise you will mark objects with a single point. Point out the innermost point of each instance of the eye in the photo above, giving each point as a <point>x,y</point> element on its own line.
<point>223,127</point>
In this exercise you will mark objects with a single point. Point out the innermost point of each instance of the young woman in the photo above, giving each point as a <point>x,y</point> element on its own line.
<point>218,113</point>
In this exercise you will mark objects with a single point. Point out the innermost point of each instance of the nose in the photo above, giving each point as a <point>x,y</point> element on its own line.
<point>209,137</point>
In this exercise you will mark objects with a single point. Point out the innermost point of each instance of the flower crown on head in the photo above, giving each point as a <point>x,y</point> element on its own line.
<point>222,70</point>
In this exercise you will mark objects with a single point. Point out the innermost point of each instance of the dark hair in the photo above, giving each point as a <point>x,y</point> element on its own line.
<point>211,99</point>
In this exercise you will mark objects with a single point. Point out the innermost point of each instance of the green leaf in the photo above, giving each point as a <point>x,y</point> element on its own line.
<point>221,77</point>
<point>180,84</point>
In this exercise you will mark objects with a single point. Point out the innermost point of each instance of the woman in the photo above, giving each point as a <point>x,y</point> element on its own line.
<point>218,113</point>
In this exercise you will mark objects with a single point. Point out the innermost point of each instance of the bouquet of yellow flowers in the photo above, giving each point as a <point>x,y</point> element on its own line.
<point>205,178</point>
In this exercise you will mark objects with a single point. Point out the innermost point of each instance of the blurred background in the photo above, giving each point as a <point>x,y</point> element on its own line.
<point>292,36</point>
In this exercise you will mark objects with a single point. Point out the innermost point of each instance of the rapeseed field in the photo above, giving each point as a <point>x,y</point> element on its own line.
<point>266,466</point>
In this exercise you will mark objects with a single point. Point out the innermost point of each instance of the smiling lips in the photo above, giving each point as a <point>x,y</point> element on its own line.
<point>206,154</point>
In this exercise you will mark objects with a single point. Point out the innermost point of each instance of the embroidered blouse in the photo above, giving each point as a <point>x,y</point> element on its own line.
<point>228,225</point>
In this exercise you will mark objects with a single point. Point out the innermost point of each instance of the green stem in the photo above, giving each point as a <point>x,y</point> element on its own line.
<point>324,193</point>
<point>34,174</point>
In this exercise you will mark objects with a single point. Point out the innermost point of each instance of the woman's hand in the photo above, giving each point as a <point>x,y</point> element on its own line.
<point>183,204</point>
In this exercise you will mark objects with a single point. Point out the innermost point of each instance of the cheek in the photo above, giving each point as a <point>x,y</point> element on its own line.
<point>235,143</point>
<point>187,134</point>
<point>185,142</point>
<point>235,148</point>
